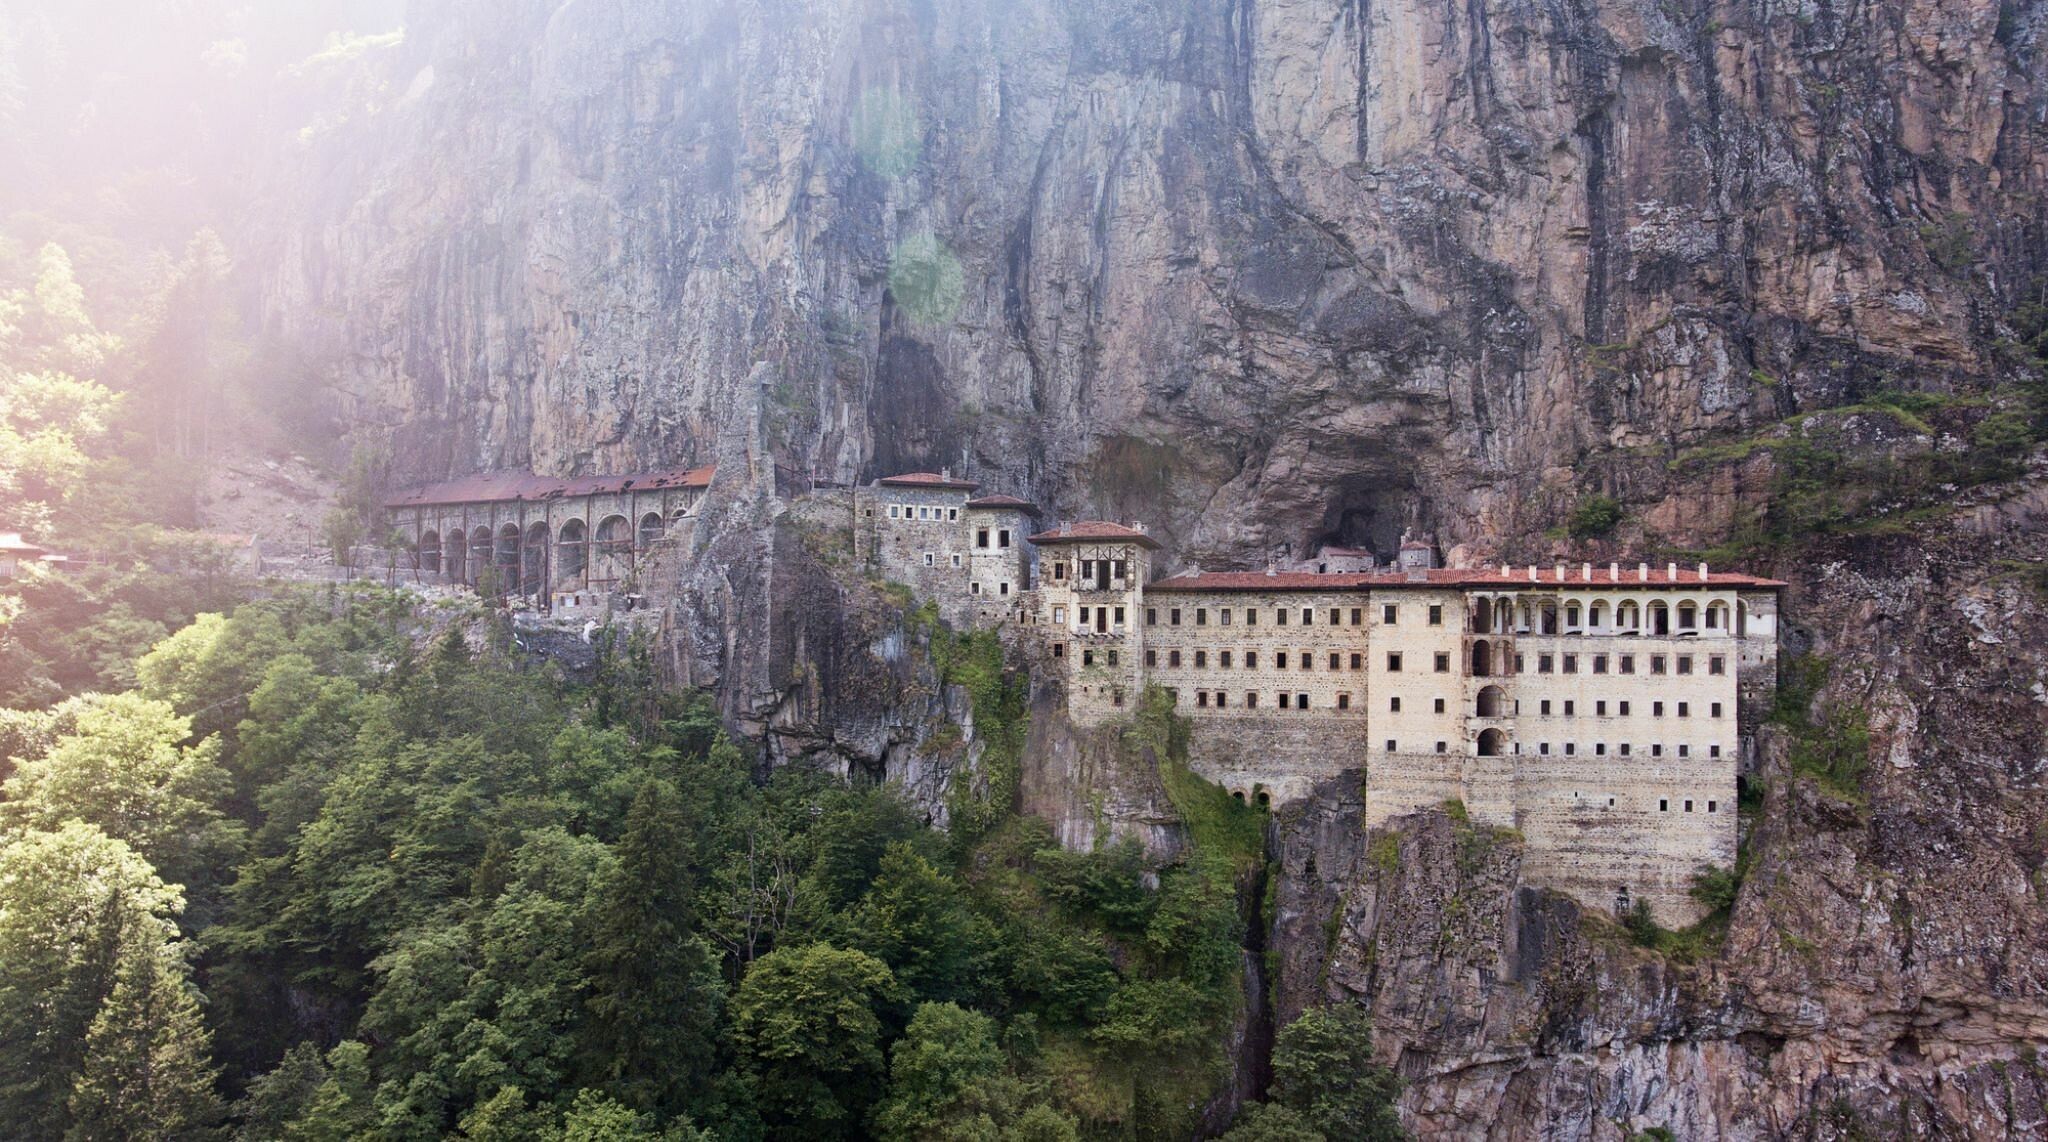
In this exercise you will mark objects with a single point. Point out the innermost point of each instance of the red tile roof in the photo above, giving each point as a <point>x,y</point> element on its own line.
<point>1477,577</point>
<point>491,487</point>
<point>1003,502</point>
<point>929,480</point>
<point>1093,529</point>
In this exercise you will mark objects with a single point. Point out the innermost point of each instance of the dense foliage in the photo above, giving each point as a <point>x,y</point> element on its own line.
<point>336,868</point>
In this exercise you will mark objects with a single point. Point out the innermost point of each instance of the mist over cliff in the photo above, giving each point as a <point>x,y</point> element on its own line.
<point>1759,281</point>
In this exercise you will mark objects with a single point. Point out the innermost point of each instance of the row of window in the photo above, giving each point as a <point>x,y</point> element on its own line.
<point>1664,803</point>
<point>906,511</point>
<point>1220,700</point>
<point>1571,749</point>
<point>1389,614</point>
<point>1226,660</point>
<point>1622,663</point>
<point>1600,707</point>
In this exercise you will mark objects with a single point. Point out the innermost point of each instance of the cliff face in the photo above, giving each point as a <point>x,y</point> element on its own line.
<point>1267,273</point>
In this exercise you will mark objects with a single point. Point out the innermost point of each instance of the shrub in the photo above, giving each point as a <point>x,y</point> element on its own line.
<point>1595,517</point>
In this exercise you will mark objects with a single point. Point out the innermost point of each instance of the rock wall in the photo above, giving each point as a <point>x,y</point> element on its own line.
<point>1264,273</point>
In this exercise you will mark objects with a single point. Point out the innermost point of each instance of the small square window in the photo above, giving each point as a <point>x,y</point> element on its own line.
<point>1280,616</point>
<point>1713,751</point>
<point>1223,616</point>
<point>1301,701</point>
<point>1544,664</point>
<point>1343,701</point>
<point>1357,661</point>
<point>895,512</point>
<point>1087,657</point>
<point>1389,614</point>
<point>1251,699</point>
<point>1656,709</point>
<point>1201,659</point>
<point>1439,705</point>
<point>1394,704</point>
<point>1571,664</point>
<point>1717,665</point>
<point>1151,658</point>
<point>1443,747</point>
<point>931,559</point>
<point>1283,699</point>
<point>1390,746</point>
<point>1223,659</point>
<point>1202,698</point>
<point>1685,664</point>
<point>1571,748</point>
<point>1173,658</point>
<point>1059,614</point>
<point>1624,749</point>
<point>981,537</point>
<point>1684,709</point>
<point>1436,614</point>
<point>1251,660</point>
<point>1059,650</point>
<point>1628,664</point>
<point>954,514</point>
<point>1713,806</point>
<point>956,560</point>
<point>1656,664</point>
<point>1663,805</point>
<point>1543,748</point>
<point>1599,749</point>
<point>1393,662</point>
<point>1657,751</point>
<point>974,588</point>
<point>1624,709</point>
<point>1543,707</point>
<point>1685,751</point>
<point>1571,707</point>
<point>1716,709</point>
<point>1688,804</point>
<point>1599,664</point>
<point>1443,663</point>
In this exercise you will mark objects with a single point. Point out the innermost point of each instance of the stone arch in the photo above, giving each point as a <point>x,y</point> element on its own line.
<point>614,535</point>
<point>1549,612</point>
<point>1492,743</point>
<point>1493,702</point>
<point>1688,615</point>
<point>480,549</point>
<point>427,555</point>
<point>1574,614</point>
<point>652,528</point>
<point>1596,615</point>
<point>1503,615</point>
<point>1717,616</point>
<point>506,559</point>
<point>572,553</point>
<point>1658,616</point>
<point>455,556</point>
<point>1628,616</point>
<point>533,562</point>
<point>1482,658</point>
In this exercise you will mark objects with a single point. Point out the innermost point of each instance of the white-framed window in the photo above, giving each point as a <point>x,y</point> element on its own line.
<point>953,514</point>
<point>895,511</point>
<point>1059,614</point>
<point>956,559</point>
<point>974,588</point>
<point>931,559</point>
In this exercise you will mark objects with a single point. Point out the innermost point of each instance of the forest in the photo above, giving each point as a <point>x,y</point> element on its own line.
<point>338,867</point>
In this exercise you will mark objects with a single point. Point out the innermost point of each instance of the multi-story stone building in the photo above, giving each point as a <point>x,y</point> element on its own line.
<point>931,532</point>
<point>1603,712</point>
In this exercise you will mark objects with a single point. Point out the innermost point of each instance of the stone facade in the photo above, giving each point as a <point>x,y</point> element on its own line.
<point>1603,713</point>
<point>929,532</point>
<point>565,543</point>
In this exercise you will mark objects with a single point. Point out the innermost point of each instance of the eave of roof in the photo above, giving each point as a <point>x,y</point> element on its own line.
<point>1451,577</point>
<point>990,503</point>
<point>933,480</point>
<point>1091,531</point>
<point>493,487</point>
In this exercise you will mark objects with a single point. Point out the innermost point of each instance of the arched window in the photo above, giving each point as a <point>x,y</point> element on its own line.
<point>1628,618</point>
<point>572,553</point>
<point>1504,615</point>
<point>508,559</point>
<point>651,530</point>
<point>1688,615</point>
<point>1482,617</point>
<point>1482,659</point>
<point>430,553</point>
<point>480,556</point>
<point>1550,618</point>
<point>533,564</point>
<point>1717,616</point>
<point>1571,617</point>
<point>676,519</point>
<point>1492,703</point>
<point>614,535</point>
<point>1660,618</point>
<point>1596,615</point>
<point>455,557</point>
<point>1492,743</point>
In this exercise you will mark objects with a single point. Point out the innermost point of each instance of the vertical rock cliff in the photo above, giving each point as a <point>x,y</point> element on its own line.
<point>1264,273</point>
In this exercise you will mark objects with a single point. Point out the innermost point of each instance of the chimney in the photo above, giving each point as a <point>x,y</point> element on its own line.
<point>945,473</point>
<point>1532,572</point>
<point>1642,572</point>
<point>1703,571</point>
<point>1671,571</point>
<point>1560,572</point>
<point>1587,573</point>
<point>1614,572</point>
<point>1138,526</point>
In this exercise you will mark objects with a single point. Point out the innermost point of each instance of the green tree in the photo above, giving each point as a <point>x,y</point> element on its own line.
<point>806,1024</point>
<point>655,993</point>
<point>146,1074</point>
<point>916,920</point>
<point>308,1097</point>
<point>1323,1070</point>
<point>1272,1122</point>
<point>123,768</point>
<point>947,1080</point>
<point>75,907</point>
<point>48,424</point>
<point>1596,516</point>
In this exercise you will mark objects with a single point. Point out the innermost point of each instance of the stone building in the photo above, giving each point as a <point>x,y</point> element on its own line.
<point>929,531</point>
<point>1603,712</point>
<point>563,542</point>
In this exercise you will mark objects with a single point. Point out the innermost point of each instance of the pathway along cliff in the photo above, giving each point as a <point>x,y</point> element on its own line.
<point>1568,281</point>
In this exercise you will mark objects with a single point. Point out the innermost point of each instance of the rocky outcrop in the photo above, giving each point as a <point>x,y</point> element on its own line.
<point>1268,272</point>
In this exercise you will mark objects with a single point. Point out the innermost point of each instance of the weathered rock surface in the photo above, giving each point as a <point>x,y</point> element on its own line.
<point>1262,273</point>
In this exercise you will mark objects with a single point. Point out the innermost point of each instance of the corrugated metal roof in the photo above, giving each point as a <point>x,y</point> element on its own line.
<point>493,487</point>
<point>1093,529</point>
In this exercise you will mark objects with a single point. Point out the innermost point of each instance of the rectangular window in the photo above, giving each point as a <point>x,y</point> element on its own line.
<point>1395,703</point>
<point>1201,659</point>
<point>1151,616</point>
<point>1059,570</point>
<point>1543,748</point>
<point>1656,664</point>
<point>1283,699</point>
<point>1251,699</point>
<point>1685,709</point>
<point>1624,709</point>
<point>1688,804</point>
<point>1223,616</point>
<point>1685,751</point>
<point>1251,660</point>
<point>1439,705</point>
<point>1663,805</point>
<point>895,512</point>
<point>1518,664</point>
<point>1151,658</point>
<point>1112,658</point>
<point>954,514</point>
<point>1599,749</point>
<point>1357,616</point>
<point>1116,696</point>
<point>1713,806</point>
<point>1571,664</point>
<point>1543,707</point>
<point>1570,707</point>
<point>1443,663</point>
<point>1202,698</point>
<point>1222,699</point>
<point>1201,616</point>
<point>1173,658</point>
<point>1003,588</point>
<point>1119,616</point>
<point>1173,617</point>
<point>1308,660</point>
<point>1251,616</point>
<point>956,560</point>
<point>1443,747</point>
<point>1571,749</point>
<point>1223,659</point>
<point>1059,650</point>
<point>1657,751</point>
<point>1393,662</point>
<point>981,537</point>
<point>1713,751</point>
<point>1116,569</point>
<point>1717,664</point>
<point>1628,664</point>
<point>1343,701</point>
<point>1624,749</point>
<point>1715,709</point>
<point>1357,661</point>
<point>1087,657</point>
<point>1003,538</point>
<point>974,588</point>
<point>1656,709</point>
<point>1280,659</point>
<point>1336,617</point>
<point>1390,746</point>
<point>930,559</point>
<point>1280,616</point>
<point>1599,709</point>
<point>1436,614</point>
<point>1685,664</point>
<point>1301,701</point>
<point>1599,664</point>
<point>1544,664</point>
<point>1335,659</point>
<point>1308,616</point>
<point>1389,614</point>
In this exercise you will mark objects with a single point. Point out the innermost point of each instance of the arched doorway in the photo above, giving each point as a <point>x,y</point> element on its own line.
<point>507,560</point>
<point>533,563</point>
<point>651,530</point>
<point>1660,618</point>
<point>1492,702</point>
<point>1492,743</point>
<point>480,556</point>
<point>455,558</point>
<point>614,554</point>
<point>572,555</point>
<point>429,553</point>
<point>1482,659</point>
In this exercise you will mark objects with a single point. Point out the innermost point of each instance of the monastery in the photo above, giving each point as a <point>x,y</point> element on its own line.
<point>1604,712</point>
